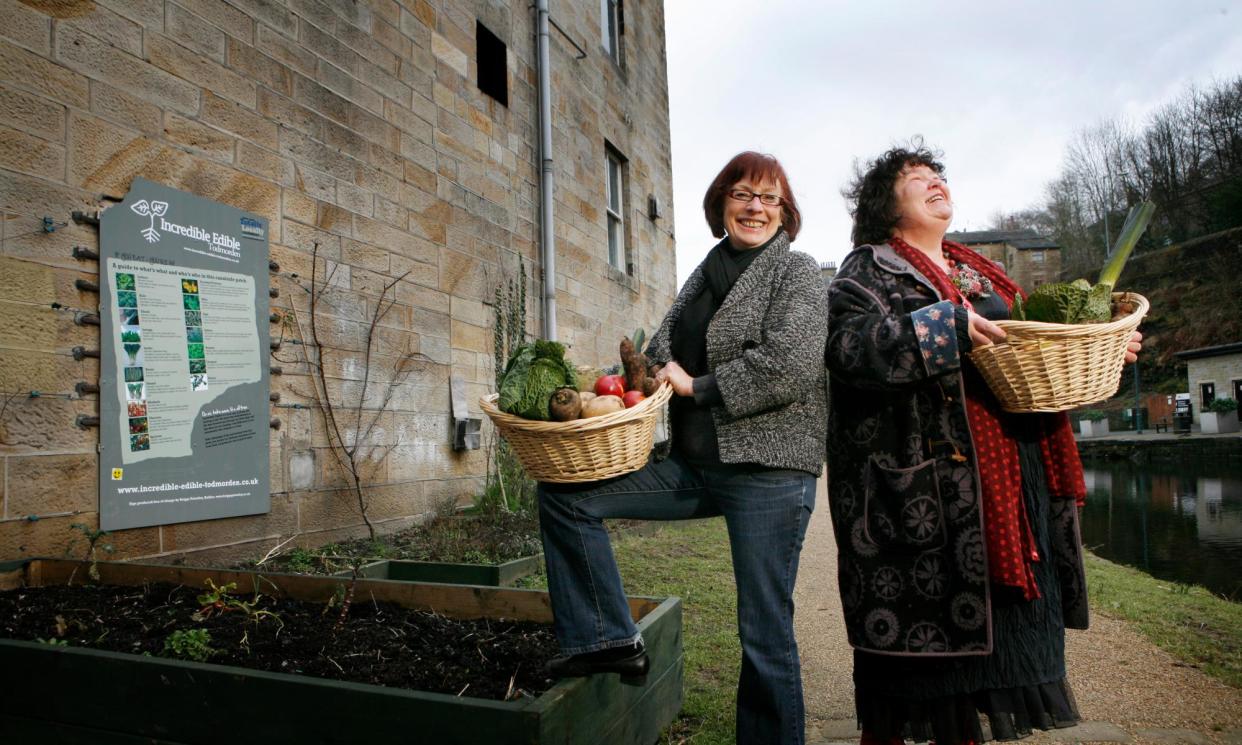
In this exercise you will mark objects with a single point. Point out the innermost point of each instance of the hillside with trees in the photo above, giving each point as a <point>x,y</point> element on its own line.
<point>1187,158</point>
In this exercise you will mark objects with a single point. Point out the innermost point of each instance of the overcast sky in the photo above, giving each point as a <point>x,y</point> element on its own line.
<point>999,87</point>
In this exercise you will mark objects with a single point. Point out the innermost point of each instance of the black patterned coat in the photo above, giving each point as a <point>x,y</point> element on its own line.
<point>903,478</point>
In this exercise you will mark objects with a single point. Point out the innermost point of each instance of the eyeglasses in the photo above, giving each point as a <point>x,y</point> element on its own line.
<point>745,195</point>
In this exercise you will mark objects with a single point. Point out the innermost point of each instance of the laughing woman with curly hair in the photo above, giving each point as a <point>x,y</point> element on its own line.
<point>960,560</point>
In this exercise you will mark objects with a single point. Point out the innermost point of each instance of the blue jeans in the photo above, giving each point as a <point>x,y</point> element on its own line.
<point>766,513</point>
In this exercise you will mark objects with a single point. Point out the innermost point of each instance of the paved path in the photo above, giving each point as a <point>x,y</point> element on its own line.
<point>1127,690</point>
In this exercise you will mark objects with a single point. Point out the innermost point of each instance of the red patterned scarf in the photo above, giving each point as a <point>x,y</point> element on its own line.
<point>1010,544</point>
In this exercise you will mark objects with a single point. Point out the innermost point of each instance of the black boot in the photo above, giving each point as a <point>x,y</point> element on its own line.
<point>630,661</point>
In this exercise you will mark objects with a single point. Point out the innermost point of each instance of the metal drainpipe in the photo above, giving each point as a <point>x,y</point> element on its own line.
<point>547,243</point>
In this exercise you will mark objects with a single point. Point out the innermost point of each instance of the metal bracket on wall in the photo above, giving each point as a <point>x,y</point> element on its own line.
<point>82,388</point>
<point>466,429</point>
<point>86,319</point>
<point>85,421</point>
<point>85,218</point>
<point>85,285</point>
<point>81,353</point>
<point>84,253</point>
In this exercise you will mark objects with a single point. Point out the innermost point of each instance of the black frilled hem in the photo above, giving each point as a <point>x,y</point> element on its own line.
<point>1013,713</point>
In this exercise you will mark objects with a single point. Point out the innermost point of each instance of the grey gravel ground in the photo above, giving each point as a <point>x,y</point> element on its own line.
<point>1127,690</point>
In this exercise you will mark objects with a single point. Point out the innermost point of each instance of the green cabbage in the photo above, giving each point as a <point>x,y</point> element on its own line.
<point>533,374</point>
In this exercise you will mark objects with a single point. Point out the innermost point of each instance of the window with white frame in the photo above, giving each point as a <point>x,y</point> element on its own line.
<point>615,207</point>
<point>611,20</point>
<point>1037,257</point>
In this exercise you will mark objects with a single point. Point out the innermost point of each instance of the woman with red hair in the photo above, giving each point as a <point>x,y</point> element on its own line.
<point>742,347</point>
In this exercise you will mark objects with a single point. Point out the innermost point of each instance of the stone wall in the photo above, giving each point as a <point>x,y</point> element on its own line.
<point>354,126</point>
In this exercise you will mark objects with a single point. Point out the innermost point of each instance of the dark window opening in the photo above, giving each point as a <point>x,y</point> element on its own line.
<point>1207,393</point>
<point>490,59</point>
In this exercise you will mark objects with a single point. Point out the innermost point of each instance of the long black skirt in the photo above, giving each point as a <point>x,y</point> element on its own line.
<point>1020,687</point>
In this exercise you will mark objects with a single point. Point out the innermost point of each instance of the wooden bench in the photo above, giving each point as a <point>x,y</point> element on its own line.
<point>1162,425</point>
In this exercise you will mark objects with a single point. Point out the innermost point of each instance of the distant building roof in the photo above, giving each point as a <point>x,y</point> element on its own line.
<point>1216,351</point>
<point>1022,240</point>
<point>1025,244</point>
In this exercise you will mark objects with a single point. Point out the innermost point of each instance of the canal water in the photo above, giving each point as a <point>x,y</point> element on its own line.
<point>1180,522</point>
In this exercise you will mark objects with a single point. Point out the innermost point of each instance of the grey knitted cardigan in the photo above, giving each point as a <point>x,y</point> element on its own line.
<point>766,347</point>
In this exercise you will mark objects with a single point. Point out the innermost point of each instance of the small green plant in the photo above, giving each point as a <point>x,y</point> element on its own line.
<point>131,337</point>
<point>217,599</point>
<point>93,537</point>
<point>1094,415</point>
<point>190,644</point>
<point>220,599</point>
<point>1223,406</point>
<point>300,560</point>
<point>52,642</point>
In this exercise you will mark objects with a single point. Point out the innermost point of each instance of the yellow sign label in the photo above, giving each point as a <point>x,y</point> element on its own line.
<point>117,473</point>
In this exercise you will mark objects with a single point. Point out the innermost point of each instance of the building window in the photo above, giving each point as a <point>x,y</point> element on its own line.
<point>612,26</point>
<point>491,63</point>
<point>1037,257</point>
<point>1207,394</point>
<point>614,191</point>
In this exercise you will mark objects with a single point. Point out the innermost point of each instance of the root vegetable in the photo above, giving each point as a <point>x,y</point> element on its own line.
<point>635,365</point>
<point>565,405</point>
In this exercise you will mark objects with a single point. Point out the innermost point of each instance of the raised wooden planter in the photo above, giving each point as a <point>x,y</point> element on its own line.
<point>77,696</point>
<point>490,575</point>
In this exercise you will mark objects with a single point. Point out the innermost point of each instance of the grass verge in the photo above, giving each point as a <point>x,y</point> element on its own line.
<point>1186,621</point>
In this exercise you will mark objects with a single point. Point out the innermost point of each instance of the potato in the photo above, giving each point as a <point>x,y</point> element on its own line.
<point>585,396</point>
<point>601,405</point>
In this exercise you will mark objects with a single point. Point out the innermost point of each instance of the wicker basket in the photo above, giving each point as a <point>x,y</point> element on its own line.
<point>1057,366</point>
<point>584,449</point>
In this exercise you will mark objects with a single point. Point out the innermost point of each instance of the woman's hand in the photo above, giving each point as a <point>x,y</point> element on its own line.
<point>1134,347</point>
<point>982,331</point>
<point>683,384</point>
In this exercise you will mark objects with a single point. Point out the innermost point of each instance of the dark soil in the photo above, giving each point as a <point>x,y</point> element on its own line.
<point>378,643</point>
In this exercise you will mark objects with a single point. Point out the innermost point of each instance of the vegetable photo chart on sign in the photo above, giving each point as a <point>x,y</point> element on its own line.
<point>183,361</point>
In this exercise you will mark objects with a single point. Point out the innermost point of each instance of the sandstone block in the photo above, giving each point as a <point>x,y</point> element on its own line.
<point>26,26</point>
<point>232,21</point>
<point>345,85</point>
<point>284,111</point>
<point>120,107</point>
<point>243,122</point>
<point>281,520</point>
<point>34,73</point>
<point>97,59</point>
<point>28,154</point>
<point>33,425</point>
<point>110,27</point>
<point>187,65</point>
<point>274,15</point>
<point>286,51</point>
<point>266,165</point>
<point>32,114</point>
<point>44,484</point>
<point>198,138</point>
<point>258,67</point>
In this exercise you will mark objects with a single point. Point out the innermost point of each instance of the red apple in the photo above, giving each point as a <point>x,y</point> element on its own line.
<point>610,385</point>
<point>632,398</point>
